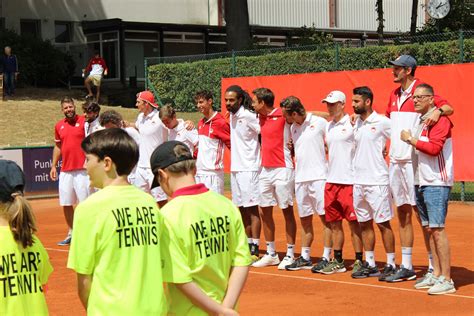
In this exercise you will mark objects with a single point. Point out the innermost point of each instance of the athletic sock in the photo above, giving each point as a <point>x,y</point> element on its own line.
<point>290,250</point>
<point>359,255</point>
<point>271,248</point>
<point>306,253</point>
<point>430,261</point>
<point>370,258</point>
<point>391,259</point>
<point>406,257</point>
<point>338,255</point>
<point>256,241</point>
<point>327,253</point>
<point>250,241</point>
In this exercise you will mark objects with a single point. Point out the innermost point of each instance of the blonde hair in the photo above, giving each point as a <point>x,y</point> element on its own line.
<point>20,218</point>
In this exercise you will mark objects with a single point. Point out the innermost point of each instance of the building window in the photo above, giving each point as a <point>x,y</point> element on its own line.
<point>62,32</point>
<point>31,28</point>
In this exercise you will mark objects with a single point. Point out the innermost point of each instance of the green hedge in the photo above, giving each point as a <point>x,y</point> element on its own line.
<point>180,81</point>
<point>40,63</point>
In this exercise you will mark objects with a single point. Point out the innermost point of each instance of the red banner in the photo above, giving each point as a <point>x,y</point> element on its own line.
<point>453,82</point>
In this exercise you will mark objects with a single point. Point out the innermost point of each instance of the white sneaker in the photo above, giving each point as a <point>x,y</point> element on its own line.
<point>287,260</point>
<point>266,260</point>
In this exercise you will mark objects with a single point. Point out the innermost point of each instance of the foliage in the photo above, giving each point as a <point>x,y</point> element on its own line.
<point>40,63</point>
<point>310,36</point>
<point>460,17</point>
<point>180,81</point>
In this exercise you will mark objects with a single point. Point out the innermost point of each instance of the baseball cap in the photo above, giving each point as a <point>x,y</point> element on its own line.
<point>164,156</point>
<point>404,61</point>
<point>148,97</point>
<point>335,96</point>
<point>12,179</point>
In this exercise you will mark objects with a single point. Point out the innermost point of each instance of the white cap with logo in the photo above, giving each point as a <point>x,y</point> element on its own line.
<point>335,96</point>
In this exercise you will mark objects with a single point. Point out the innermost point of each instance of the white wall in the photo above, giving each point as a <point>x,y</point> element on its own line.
<point>202,12</point>
<point>350,14</point>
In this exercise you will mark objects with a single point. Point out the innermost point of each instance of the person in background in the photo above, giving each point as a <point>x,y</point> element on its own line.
<point>10,71</point>
<point>96,69</point>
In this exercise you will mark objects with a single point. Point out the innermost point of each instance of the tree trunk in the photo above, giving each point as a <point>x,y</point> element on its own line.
<point>380,19</point>
<point>414,16</point>
<point>237,24</point>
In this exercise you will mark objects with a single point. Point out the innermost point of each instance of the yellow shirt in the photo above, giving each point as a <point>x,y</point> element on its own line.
<point>116,239</point>
<point>23,272</point>
<point>204,238</point>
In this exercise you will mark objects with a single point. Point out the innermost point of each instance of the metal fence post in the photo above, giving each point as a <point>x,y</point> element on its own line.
<point>463,191</point>
<point>337,55</point>
<point>146,74</point>
<point>233,64</point>
<point>461,46</point>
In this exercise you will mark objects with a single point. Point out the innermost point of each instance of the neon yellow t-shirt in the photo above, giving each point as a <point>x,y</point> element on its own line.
<point>23,272</point>
<point>204,238</point>
<point>116,239</point>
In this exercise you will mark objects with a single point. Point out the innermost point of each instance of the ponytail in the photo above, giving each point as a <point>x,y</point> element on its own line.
<point>246,99</point>
<point>21,220</point>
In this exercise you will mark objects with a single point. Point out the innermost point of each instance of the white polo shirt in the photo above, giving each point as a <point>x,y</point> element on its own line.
<point>92,127</point>
<point>310,155</point>
<point>371,137</point>
<point>180,133</point>
<point>341,145</point>
<point>152,134</point>
<point>244,130</point>
<point>132,132</point>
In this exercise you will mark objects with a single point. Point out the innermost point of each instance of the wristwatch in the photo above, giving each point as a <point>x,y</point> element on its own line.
<point>409,140</point>
<point>441,111</point>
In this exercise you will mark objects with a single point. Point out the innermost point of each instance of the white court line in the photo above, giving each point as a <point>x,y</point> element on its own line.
<point>56,249</point>
<point>353,283</point>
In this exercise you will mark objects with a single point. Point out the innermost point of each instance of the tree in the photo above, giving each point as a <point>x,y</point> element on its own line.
<point>380,19</point>
<point>237,24</point>
<point>414,16</point>
<point>460,17</point>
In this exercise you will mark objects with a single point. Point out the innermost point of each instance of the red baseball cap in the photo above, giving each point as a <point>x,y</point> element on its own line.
<point>148,97</point>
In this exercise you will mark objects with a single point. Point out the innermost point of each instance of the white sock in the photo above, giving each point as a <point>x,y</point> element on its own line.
<point>271,248</point>
<point>306,253</point>
<point>391,259</point>
<point>290,250</point>
<point>370,258</point>
<point>250,240</point>
<point>430,261</point>
<point>327,253</point>
<point>406,257</point>
<point>256,241</point>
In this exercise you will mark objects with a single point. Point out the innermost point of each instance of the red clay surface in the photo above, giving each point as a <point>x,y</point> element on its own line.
<point>270,291</point>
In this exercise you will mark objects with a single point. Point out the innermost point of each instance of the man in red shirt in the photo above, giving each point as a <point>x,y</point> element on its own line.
<point>73,180</point>
<point>434,149</point>
<point>276,179</point>
<point>214,134</point>
<point>97,68</point>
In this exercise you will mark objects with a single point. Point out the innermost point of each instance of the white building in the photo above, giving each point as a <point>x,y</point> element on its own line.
<point>127,31</point>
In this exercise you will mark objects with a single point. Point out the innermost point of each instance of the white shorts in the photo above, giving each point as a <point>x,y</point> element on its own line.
<point>310,197</point>
<point>212,181</point>
<point>402,183</point>
<point>73,187</point>
<point>372,202</point>
<point>277,187</point>
<point>244,186</point>
<point>143,180</point>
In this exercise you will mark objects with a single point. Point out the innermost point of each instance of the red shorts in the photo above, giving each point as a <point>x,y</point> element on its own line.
<point>338,202</point>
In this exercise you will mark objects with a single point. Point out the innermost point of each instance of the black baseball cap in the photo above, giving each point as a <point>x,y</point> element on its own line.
<point>164,156</point>
<point>12,179</point>
<point>404,61</point>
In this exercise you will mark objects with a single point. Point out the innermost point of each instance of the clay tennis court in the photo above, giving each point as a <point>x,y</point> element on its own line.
<point>269,291</point>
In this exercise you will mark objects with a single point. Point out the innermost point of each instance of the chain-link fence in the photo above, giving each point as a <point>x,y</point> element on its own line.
<point>172,82</point>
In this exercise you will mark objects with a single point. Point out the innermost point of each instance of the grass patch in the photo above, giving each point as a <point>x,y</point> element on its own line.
<point>28,119</point>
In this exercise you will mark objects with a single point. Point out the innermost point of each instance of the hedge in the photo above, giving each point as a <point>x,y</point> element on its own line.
<point>40,63</point>
<point>180,81</point>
